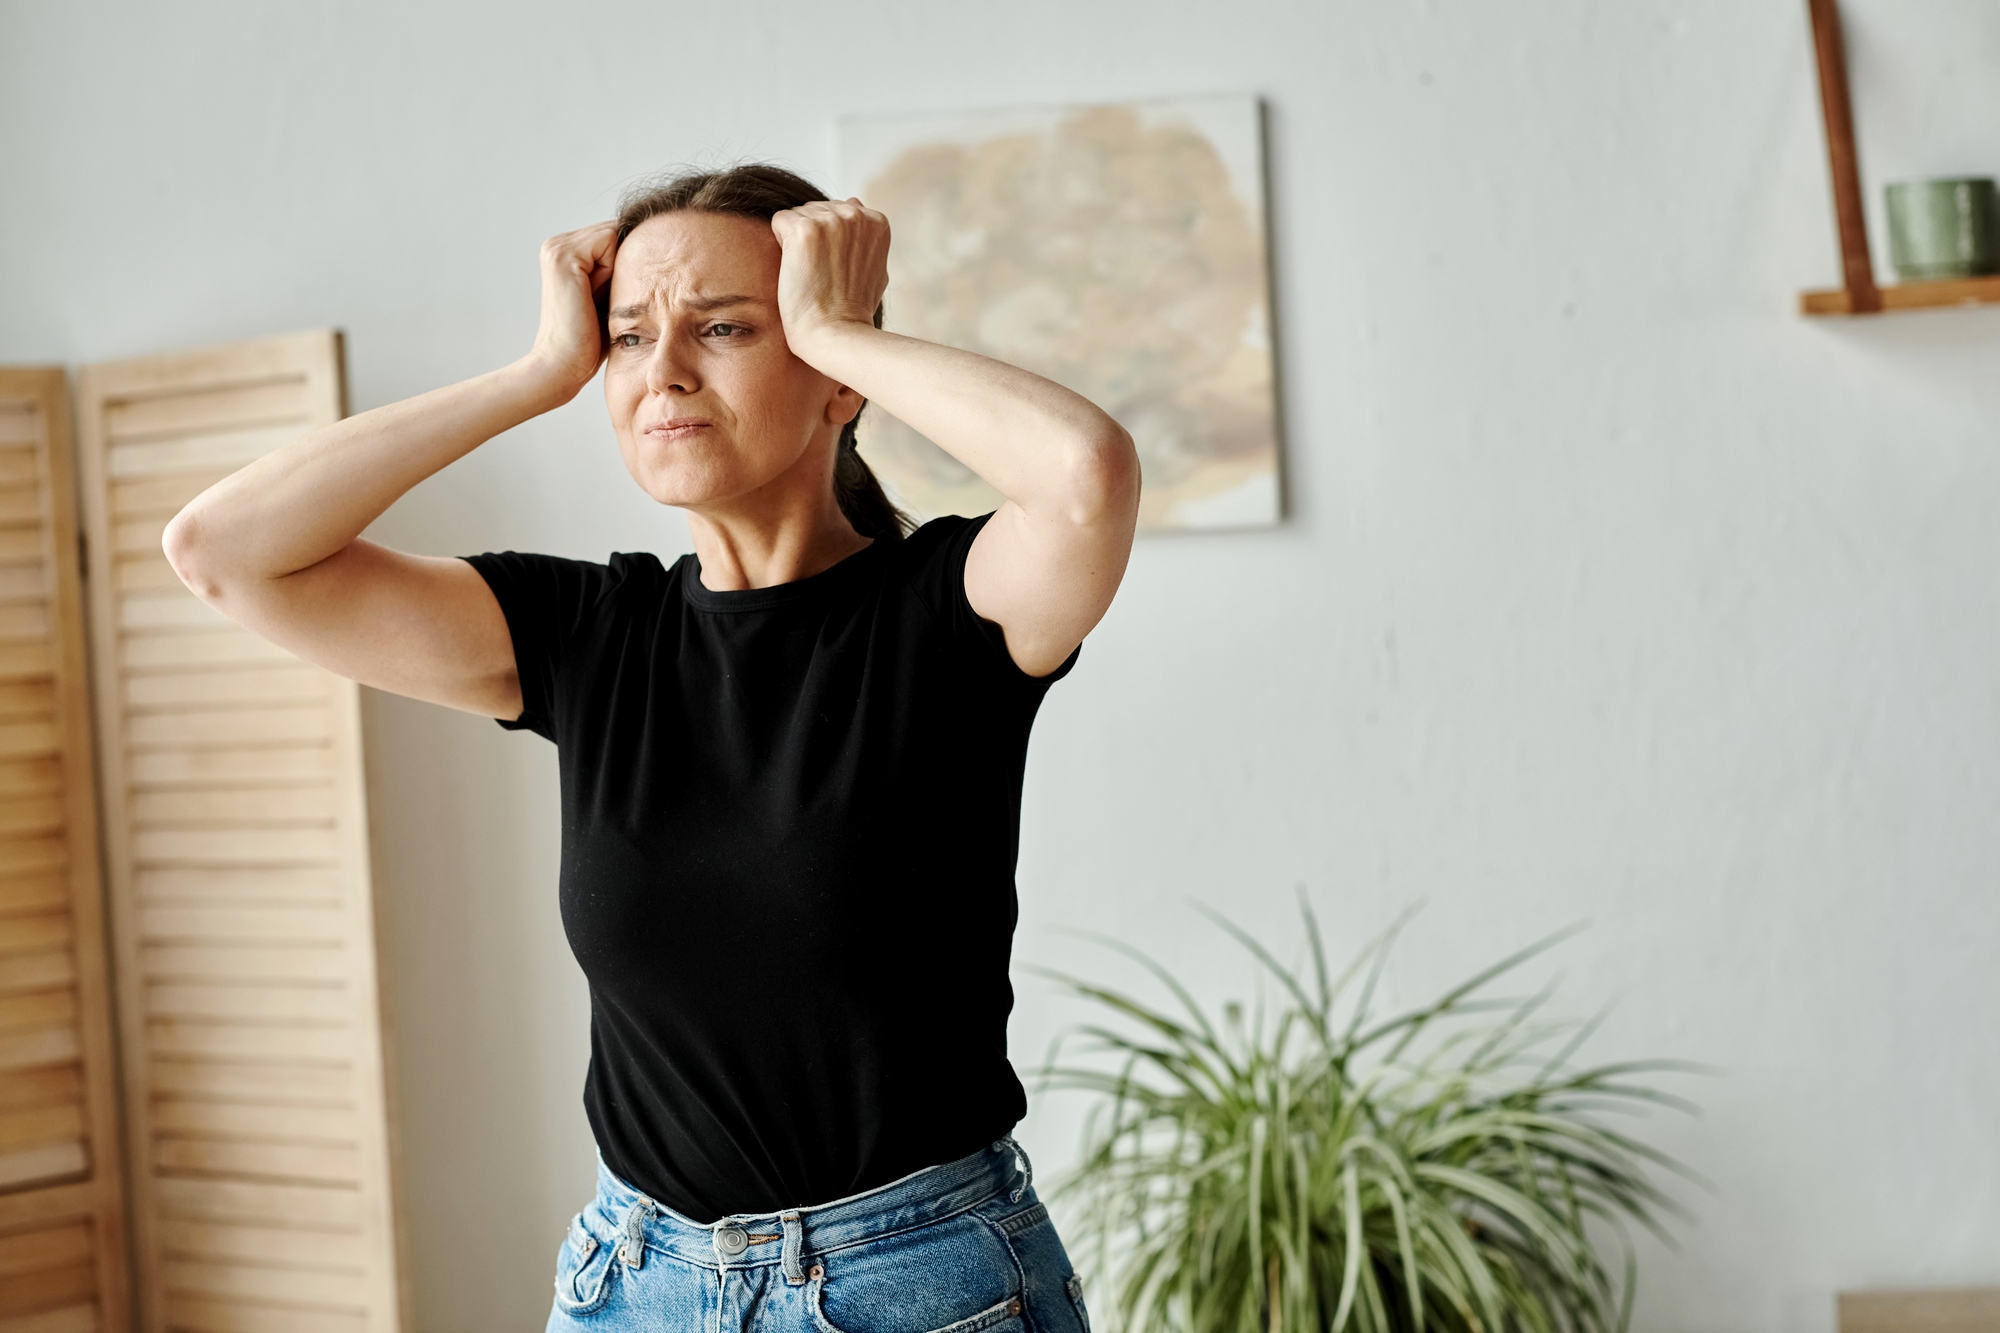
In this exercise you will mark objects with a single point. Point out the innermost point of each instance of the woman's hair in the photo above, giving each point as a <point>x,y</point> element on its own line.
<point>759,190</point>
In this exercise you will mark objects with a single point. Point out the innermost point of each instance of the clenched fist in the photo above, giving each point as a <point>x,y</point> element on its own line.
<point>834,269</point>
<point>569,343</point>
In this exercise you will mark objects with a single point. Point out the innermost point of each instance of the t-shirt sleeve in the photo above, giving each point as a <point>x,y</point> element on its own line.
<point>937,552</point>
<point>547,600</point>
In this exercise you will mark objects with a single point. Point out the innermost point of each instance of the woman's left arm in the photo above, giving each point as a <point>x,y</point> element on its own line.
<point>1048,563</point>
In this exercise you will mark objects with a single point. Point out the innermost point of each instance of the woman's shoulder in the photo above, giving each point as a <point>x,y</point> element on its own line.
<point>636,567</point>
<point>930,562</point>
<point>618,567</point>
<point>939,539</point>
<point>561,581</point>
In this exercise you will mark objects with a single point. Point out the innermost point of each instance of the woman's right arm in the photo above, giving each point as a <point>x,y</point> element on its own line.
<point>277,546</point>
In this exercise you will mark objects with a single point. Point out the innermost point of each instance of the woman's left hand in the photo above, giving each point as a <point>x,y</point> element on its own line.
<point>1046,566</point>
<point>834,269</point>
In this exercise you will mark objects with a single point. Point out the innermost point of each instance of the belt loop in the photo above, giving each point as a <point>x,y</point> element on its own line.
<point>795,1238</point>
<point>1027,1169</point>
<point>633,1248</point>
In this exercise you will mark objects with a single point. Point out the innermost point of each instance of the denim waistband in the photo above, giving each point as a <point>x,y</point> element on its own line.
<point>790,1238</point>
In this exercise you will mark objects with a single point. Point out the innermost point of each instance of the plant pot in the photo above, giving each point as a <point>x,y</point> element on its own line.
<point>1948,228</point>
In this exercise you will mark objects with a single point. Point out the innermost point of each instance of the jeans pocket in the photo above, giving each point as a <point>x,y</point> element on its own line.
<point>1075,1289</point>
<point>583,1271</point>
<point>1004,1317</point>
<point>1050,1289</point>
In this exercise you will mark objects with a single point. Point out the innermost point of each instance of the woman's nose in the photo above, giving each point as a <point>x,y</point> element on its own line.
<point>671,368</point>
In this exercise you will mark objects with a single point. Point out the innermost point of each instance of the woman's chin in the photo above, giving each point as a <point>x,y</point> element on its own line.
<point>704,479</point>
<point>686,488</point>
<point>679,476</point>
<point>681,497</point>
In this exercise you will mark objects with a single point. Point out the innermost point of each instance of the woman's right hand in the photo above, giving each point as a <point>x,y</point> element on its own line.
<point>569,344</point>
<point>276,546</point>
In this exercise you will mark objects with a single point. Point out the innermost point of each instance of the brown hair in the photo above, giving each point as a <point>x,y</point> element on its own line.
<point>759,190</point>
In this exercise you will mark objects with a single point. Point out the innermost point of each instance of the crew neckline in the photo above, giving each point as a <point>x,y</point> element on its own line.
<point>759,599</point>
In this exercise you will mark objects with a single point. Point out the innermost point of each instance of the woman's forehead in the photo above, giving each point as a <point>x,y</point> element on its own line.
<point>684,257</point>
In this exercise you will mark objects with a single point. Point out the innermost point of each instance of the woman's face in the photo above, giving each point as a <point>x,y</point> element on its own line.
<point>708,401</point>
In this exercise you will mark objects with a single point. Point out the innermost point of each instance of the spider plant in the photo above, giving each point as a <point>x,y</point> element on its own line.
<point>1316,1168</point>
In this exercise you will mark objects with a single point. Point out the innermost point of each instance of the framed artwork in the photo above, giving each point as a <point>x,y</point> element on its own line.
<point>1119,250</point>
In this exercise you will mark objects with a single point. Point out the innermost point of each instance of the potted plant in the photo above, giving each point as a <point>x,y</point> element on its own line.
<point>1311,1167</point>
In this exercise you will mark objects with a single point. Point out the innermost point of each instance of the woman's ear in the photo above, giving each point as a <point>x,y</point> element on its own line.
<point>844,406</point>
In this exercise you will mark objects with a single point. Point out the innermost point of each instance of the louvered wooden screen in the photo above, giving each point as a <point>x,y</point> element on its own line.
<point>62,1244</point>
<point>242,911</point>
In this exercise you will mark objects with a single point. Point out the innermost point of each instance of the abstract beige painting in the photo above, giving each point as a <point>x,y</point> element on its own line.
<point>1118,250</point>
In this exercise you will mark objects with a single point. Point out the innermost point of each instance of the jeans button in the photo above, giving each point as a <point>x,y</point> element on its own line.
<point>731,1241</point>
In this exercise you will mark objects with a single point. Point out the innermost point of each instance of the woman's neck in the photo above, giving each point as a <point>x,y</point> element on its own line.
<point>761,545</point>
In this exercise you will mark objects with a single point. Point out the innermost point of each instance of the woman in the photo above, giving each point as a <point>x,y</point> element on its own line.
<point>791,763</point>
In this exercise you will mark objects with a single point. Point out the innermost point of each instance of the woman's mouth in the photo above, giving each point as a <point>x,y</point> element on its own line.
<point>679,428</point>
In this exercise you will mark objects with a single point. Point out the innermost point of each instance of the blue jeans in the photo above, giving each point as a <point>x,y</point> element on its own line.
<point>964,1248</point>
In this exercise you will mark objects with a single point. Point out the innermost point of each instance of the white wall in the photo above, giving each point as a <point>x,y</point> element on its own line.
<point>1612,589</point>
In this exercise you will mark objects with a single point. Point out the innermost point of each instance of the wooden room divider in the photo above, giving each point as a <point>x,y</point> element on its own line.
<point>235,832</point>
<point>62,1234</point>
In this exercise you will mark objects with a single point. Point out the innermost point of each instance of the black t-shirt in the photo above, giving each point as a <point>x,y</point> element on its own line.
<point>790,818</point>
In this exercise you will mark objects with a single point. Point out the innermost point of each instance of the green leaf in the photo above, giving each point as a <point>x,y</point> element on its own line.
<point>1444,1170</point>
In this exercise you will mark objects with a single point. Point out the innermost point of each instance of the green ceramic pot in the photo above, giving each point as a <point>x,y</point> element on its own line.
<point>1944,228</point>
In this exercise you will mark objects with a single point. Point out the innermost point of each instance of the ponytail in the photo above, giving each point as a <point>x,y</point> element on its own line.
<point>860,494</point>
<point>861,497</point>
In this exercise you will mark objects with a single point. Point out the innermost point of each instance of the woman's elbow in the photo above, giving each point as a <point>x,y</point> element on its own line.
<point>189,552</point>
<point>1103,478</point>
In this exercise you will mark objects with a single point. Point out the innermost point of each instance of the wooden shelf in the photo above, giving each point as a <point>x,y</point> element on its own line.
<point>1907,296</point>
<point>1858,294</point>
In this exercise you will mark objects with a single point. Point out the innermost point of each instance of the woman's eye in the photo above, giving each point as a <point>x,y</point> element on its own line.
<point>626,340</point>
<point>725,330</point>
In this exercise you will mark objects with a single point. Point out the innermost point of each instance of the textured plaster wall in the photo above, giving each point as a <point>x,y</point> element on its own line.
<point>1611,589</point>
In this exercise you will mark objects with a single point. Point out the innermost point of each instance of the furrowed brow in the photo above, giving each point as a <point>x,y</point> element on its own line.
<point>700,305</point>
<point>704,304</point>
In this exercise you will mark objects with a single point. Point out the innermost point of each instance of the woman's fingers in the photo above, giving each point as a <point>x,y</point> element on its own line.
<point>587,252</point>
<point>835,264</point>
<point>825,214</point>
<point>575,266</point>
<point>602,241</point>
